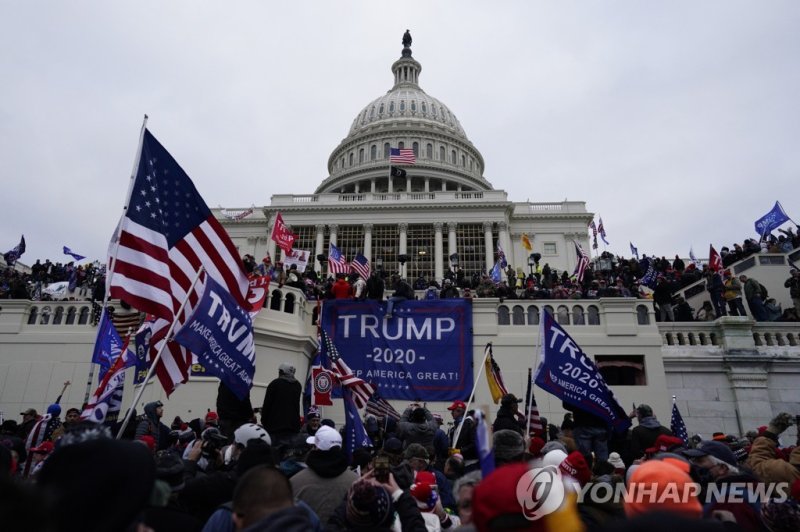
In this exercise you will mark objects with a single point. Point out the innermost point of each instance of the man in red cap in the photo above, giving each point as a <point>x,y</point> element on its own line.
<point>466,438</point>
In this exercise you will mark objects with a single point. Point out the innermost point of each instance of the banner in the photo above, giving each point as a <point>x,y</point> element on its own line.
<point>219,332</point>
<point>569,374</point>
<point>423,353</point>
<point>772,220</point>
<point>257,296</point>
<point>297,256</point>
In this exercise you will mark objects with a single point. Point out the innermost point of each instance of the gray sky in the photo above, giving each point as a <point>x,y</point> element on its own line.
<point>676,122</point>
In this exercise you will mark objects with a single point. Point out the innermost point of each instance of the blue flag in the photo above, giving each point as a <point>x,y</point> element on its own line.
<point>569,374</point>
<point>108,346</point>
<point>501,256</point>
<point>142,338</point>
<point>677,426</point>
<point>483,445</point>
<point>72,254</point>
<point>12,255</point>
<point>634,250</point>
<point>495,273</point>
<point>355,435</point>
<point>219,332</point>
<point>650,273</point>
<point>772,220</point>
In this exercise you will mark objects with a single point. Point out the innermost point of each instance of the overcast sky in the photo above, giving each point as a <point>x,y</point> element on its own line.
<point>677,122</point>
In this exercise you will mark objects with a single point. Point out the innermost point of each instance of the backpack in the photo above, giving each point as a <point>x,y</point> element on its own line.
<point>764,292</point>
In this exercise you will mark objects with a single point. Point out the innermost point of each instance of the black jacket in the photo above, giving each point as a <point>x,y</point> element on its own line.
<point>507,420</point>
<point>643,437</point>
<point>232,408</point>
<point>280,413</point>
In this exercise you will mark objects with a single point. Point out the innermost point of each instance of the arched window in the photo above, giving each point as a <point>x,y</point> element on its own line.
<point>578,317</point>
<point>533,315</point>
<point>413,105</point>
<point>380,110</point>
<point>594,315</point>
<point>502,316</point>
<point>518,315</point>
<point>424,108</point>
<point>391,107</point>
<point>361,155</point>
<point>71,313</point>
<point>429,151</point>
<point>373,152</point>
<point>642,315</point>
<point>415,147</point>
<point>441,153</point>
<point>275,301</point>
<point>45,318</point>
<point>288,307</point>
<point>83,317</point>
<point>563,315</point>
<point>470,164</point>
<point>402,105</point>
<point>386,148</point>
<point>433,111</point>
<point>372,112</point>
<point>33,315</point>
<point>463,161</point>
<point>351,158</point>
<point>58,316</point>
<point>453,156</point>
<point>401,145</point>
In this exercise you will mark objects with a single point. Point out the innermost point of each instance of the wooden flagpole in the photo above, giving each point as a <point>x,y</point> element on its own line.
<point>457,433</point>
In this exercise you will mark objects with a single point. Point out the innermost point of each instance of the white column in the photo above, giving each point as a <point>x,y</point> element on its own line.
<point>372,185</point>
<point>333,229</point>
<point>427,184</point>
<point>390,189</point>
<point>403,230</point>
<point>451,239</point>
<point>271,244</point>
<point>368,242</point>
<point>318,247</point>
<point>503,238</point>
<point>438,263</point>
<point>489,245</point>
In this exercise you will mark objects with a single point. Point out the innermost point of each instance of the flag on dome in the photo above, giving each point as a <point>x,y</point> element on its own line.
<point>402,156</point>
<point>336,261</point>
<point>634,250</point>
<point>583,262</point>
<point>72,254</point>
<point>360,265</point>
<point>166,234</point>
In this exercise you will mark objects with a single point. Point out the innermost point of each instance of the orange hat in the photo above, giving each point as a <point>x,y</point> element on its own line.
<point>662,486</point>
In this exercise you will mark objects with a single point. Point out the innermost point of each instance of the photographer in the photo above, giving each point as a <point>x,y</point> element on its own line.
<point>762,459</point>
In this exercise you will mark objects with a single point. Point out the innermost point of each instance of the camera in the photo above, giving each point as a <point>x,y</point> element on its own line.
<point>381,468</point>
<point>213,441</point>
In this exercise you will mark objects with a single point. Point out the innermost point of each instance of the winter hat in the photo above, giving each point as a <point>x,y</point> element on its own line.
<point>54,410</point>
<point>553,445</point>
<point>415,450</point>
<point>325,439</point>
<point>286,369</point>
<point>313,413</point>
<point>536,446</point>
<point>368,506</point>
<point>393,446</point>
<point>212,416</point>
<point>508,445</point>
<point>417,415</point>
<point>553,458</point>
<point>119,473</point>
<point>664,444</point>
<point>616,460</point>
<point>713,448</point>
<point>645,410</point>
<point>495,498</point>
<point>662,486</point>
<point>575,466</point>
<point>149,441</point>
<point>169,468</point>
<point>423,492</point>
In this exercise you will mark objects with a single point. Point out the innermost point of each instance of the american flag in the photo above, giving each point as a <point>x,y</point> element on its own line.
<point>583,262</point>
<point>361,390</point>
<point>593,227</point>
<point>166,234</point>
<point>402,156</point>
<point>602,231</point>
<point>535,426</point>
<point>336,261</point>
<point>677,426</point>
<point>360,265</point>
<point>379,407</point>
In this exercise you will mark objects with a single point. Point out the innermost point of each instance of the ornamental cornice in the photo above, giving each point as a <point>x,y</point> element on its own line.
<point>367,228</point>
<point>402,227</point>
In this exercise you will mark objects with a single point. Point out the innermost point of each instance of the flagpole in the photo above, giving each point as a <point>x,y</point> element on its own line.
<point>530,377</point>
<point>113,258</point>
<point>472,394</point>
<point>154,362</point>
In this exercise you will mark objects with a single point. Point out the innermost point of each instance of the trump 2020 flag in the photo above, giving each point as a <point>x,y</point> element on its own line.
<point>108,346</point>
<point>219,332</point>
<point>772,220</point>
<point>355,435</point>
<point>569,374</point>
<point>106,402</point>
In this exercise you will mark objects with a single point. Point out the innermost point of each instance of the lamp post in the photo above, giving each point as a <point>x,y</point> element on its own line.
<point>323,262</point>
<point>531,263</point>
<point>402,259</point>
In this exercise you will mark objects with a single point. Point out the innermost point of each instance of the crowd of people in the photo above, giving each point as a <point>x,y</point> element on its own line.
<point>240,468</point>
<point>84,281</point>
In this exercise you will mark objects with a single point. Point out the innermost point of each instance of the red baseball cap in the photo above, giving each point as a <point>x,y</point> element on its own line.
<point>212,416</point>
<point>457,404</point>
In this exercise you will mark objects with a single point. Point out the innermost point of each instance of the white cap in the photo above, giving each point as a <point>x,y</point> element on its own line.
<point>325,438</point>
<point>554,458</point>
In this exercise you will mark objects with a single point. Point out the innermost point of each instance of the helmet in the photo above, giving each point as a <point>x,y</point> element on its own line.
<point>251,431</point>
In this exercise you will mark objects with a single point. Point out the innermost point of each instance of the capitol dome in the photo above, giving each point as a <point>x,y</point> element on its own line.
<point>405,117</point>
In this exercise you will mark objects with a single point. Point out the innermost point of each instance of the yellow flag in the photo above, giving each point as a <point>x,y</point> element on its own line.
<point>526,242</point>
<point>493,377</point>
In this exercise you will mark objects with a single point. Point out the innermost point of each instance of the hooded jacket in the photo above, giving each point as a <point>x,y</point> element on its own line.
<point>324,484</point>
<point>644,436</point>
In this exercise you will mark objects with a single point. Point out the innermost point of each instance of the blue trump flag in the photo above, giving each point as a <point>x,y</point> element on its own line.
<point>72,254</point>
<point>569,374</point>
<point>772,220</point>
<point>423,353</point>
<point>108,346</point>
<point>219,332</point>
<point>650,273</point>
<point>355,435</point>
<point>495,273</point>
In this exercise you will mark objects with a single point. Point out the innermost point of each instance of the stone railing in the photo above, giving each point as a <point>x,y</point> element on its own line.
<point>437,196</point>
<point>732,333</point>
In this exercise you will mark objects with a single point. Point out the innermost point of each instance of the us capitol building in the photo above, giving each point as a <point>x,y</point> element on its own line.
<point>729,375</point>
